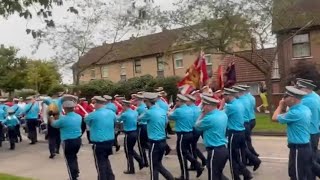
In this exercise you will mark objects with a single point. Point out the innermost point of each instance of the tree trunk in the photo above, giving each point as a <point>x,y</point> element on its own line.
<point>269,88</point>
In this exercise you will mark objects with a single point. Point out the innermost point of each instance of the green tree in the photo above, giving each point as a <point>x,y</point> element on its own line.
<point>12,69</point>
<point>42,75</point>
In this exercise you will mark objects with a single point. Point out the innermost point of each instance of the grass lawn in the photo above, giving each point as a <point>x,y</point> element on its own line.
<point>263,124</point>
<point>9,177</point>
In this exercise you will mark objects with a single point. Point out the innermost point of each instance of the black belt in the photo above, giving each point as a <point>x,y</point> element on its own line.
<point>103,142</point>
<point>291,145</point>
<point>179,133</point>
<point>128,132</point>
<point>234,131</point>
<point>215,147</point>
<point>157,141</point>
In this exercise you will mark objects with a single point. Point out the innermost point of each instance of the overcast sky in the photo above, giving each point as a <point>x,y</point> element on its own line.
<point>13,33</point>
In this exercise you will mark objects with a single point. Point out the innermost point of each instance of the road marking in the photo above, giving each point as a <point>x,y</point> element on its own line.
<point>274,158</point>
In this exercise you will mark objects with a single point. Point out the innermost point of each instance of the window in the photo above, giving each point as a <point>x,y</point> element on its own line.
<point>301,46</point>
<point>254,88</point>
<point>122,69</point>
<point>105,72</point>
<point>137,66</point>
<point>209,64</point>
<point>93,73</point>
<point>123,77</point>
<point>275,69</point>
<point>160,64</point>
<point>178,60</point>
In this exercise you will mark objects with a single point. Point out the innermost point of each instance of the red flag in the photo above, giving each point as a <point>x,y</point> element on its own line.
<point>231,75</point>
<point>220,80</point>
<point>196,76</point>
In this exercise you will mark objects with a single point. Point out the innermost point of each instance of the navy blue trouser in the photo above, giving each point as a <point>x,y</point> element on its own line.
<point>71,148</point>
<point>101,153</point>
<point>217,159</point>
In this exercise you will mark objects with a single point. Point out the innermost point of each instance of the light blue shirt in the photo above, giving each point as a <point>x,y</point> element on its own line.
<point>162,105</point>
<point>17,110</point>
<point>11,122</point>
<point>196,112</point>
<point>184,118</point>
<point>4,107</point>
<point>111,106</point>
<point>214,125</point>
<point>246,103</point>
<point>298,122</point>
<point>101,123</point>
<point>311,101</point>
<point>234,111</point>
<point>252,111</point>
<point>70,126</point>
<point>33,113</point>
<point>156,119</point>
<point>3,115</point>
<point>129,119</point>
<point>142,108</point>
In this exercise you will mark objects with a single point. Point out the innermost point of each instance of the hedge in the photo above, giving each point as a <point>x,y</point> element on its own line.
<point>126,88</point>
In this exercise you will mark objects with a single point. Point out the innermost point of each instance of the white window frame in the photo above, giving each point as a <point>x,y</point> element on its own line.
<point>298,40</point>
<point>123,69</point>
<point>137,71</point>
<point>176,58</point>
<point>275,69</point>
<point>208,55</point>
<point>93,73</point>
<point>160,63</point>
<point>105,71</point>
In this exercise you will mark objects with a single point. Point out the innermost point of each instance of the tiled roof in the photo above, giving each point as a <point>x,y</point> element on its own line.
<point>294,14</point>
<point>134,47</point>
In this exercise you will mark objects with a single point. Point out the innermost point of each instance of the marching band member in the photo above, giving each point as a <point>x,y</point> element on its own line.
<point>129,118</point>
<point>11,122</point>
<point>298,131</point>
<point>113,107</point>
<point>70,131</point>
<point>117,100</point>
<point>17,113</point>
<point>236,135</point>
<point>31,112</point>
<point>246,102</point>
<point>156,119</point>
<point>2,119</point>
<point>252,115</point>
<point>101,123</point>
<point>53,134</point>
<point>196,134</point>
<point>312,102</point>
<point>79,109</point>
<point>165,107</point>
<point>142,129</point>
<point>183,117</point>
<point>213,125</point>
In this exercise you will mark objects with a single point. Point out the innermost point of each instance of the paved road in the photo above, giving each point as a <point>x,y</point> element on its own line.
<point>32,161</point>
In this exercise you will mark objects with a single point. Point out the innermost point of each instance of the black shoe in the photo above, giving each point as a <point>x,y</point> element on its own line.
<point>192,168</point>
<point>204,163</point>
<point>168,137</point>
<point>20,139</point>
<point>32,143</point>
<point>167,152</point>
<point>117,148</point>
<point>141,165</point>
<point>128,172</point>
<point>57,152</point>
<point>52,156</point>
<point>256,166</point>
<point>146,165</point>
<point>179,178</point>
<point>199,171</point>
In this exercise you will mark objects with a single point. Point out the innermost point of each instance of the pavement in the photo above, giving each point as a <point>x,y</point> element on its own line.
<point>32,161</point>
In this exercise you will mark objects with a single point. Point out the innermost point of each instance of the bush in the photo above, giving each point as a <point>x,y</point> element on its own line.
<point>55,89</point>
<point>126,88</point>
<point>25,93</point>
